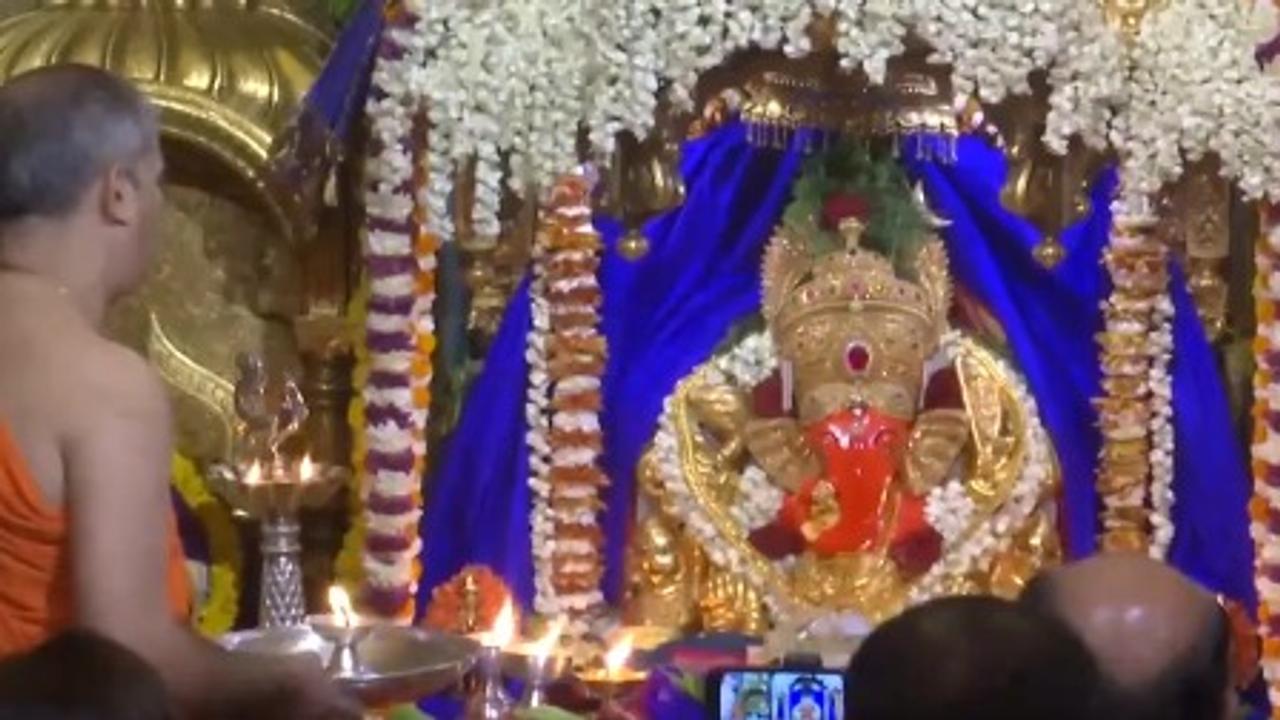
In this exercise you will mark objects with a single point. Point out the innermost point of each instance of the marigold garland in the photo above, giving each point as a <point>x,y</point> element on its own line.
<point>217,614</point>
<point>1264,507</point>
<point>566,356</point>
<point>349,566</point>
<point>451,610</point>
<point>1136,460</point>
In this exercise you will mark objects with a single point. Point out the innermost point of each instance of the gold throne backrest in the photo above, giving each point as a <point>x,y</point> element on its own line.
<point>227,77</point>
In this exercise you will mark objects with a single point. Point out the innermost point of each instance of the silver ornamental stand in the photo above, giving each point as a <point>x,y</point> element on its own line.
<point>271,488</point>
<point>281,601</point>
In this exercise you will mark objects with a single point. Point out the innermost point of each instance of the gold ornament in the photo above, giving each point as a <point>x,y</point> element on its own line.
<point>634,245</point>
<point>1049,252</point>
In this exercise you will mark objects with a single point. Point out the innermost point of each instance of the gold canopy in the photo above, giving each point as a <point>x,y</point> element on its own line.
<point>227,75</point>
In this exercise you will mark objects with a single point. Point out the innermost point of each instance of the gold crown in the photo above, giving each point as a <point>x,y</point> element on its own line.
<point>798,285</point>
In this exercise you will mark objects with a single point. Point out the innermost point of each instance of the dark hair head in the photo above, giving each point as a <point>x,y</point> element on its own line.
<point>79,675</point>
<point>61,127</point>
<point>971,657</point>
<point>1193,685</point>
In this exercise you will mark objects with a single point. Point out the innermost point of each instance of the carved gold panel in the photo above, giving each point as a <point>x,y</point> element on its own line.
<point>196,312</point>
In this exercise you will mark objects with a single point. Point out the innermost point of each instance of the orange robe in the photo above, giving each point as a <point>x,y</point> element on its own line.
<point>35,570</point>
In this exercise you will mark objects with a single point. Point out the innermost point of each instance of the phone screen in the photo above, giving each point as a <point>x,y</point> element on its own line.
<point>780,695</point>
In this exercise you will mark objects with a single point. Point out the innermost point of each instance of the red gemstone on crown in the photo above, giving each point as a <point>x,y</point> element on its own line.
<point>858,357</point>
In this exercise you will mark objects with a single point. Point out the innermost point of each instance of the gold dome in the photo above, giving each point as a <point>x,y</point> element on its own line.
<point>227,75</point>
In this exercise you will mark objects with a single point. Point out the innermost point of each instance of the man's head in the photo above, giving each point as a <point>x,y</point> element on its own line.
<point>971,657</point>
<point>80,160</point>
<point>1162,643</point>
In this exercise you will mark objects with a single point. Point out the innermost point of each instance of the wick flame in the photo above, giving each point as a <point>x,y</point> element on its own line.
<point>254,475</point>
<point>615,659</point>
<point>504,628</point>
<point>546,647</point>
<point>307,470</point>
<point>340,606</point>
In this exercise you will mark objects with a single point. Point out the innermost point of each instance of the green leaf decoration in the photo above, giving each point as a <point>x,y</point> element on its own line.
<point>341,10</point>
<point>896,228</point>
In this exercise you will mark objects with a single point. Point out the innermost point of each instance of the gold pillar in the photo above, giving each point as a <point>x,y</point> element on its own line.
<point>327,386</point>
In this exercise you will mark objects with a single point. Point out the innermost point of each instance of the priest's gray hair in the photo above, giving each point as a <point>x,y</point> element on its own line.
<point>61,127</point>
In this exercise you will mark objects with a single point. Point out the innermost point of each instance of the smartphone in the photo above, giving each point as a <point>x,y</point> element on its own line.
<point>776,694</point>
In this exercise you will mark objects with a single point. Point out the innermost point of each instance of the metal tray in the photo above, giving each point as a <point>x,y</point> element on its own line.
<point>398,664</point>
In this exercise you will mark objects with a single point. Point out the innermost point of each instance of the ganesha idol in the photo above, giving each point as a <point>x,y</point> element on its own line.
<point>855,457</point>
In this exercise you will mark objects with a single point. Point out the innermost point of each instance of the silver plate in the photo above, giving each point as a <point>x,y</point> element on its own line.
<point>399,664</point>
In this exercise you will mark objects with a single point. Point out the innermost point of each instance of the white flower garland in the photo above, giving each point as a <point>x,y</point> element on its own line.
<point>754,359</point>
<point>565,352</point>
<point>1194,88</point>
<point>401,309</point>
<point>518,79</point>
<point>759,499</point>
<point>538,420</point>
<point>976,547</point>
<point>949,509</point>
<point>1162,433</point>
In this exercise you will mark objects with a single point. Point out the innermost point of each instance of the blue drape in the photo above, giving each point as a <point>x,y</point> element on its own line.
<point>1051,318</point>
<point>666,313</point>
<point>662,315</point>
<point>321,131</point>
<point>1212,481</point>
<point>478,500</point>
<point>338,94</point>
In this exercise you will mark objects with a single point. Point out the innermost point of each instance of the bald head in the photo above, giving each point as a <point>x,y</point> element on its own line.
<point>61,128</point>
<point>1154,633</point>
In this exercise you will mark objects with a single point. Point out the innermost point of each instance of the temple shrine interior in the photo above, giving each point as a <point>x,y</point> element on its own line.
<point>629,358</point>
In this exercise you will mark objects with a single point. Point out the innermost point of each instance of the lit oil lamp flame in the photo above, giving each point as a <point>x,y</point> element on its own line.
<point>254,474</point>
<point>307,469</point>
<point>615,659</point>
<point>504,628</point>
<point>546,647</point>
<point>340,607</point>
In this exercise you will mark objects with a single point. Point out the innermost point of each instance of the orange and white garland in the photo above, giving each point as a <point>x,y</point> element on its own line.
<point>400,261</point>
<point>566,355</point>
<point>1264,508</point>
<point>1135,470</point>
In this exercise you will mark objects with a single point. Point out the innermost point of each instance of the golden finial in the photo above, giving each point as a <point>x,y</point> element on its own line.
<point>1129,14</point>
<point>470,603</point>
<point>1049,252</point>
<point>851,229</point>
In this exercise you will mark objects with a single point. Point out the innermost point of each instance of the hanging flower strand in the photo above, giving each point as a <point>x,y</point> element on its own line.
<point>1135,469</point>
<point>399,335</point>
<point>1160,384</point>
<point>567,356</point>
<point>1264,508</point>
<point>542,523</point>
<point>509,85</point>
